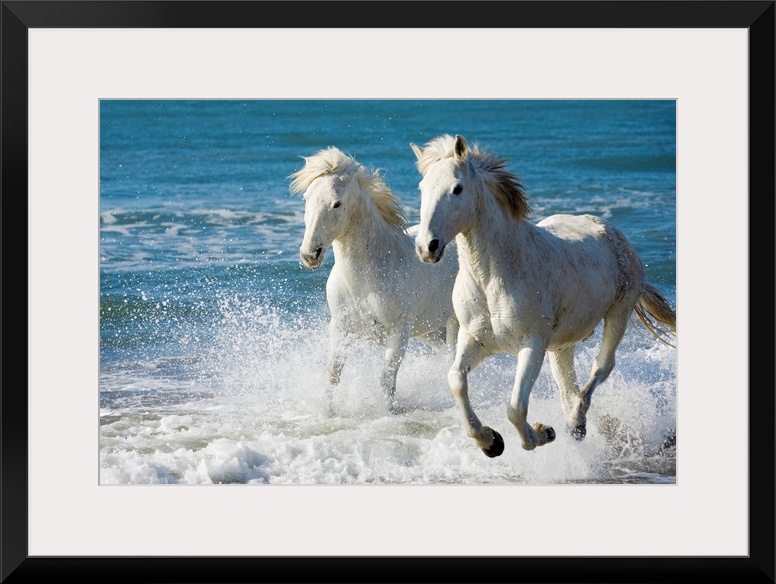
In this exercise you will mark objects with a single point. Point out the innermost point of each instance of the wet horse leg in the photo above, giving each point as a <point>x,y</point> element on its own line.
<point>615,323</point>
<point>562,367</point>
<point>469,353</point>
<point>451,333</point>
<point>338,343</point>
<point>529,363</point>
<point>395,347</point>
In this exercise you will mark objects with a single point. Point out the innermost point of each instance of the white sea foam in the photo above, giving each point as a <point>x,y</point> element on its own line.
<point>251,409</point>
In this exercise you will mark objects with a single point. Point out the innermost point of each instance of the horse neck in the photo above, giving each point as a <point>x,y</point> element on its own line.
<point>366,239</point>
<point>495,243</point>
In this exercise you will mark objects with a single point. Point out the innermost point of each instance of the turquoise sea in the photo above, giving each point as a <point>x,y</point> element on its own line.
<point>213,336</point>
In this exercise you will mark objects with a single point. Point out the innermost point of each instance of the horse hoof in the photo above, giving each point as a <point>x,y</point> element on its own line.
<point>546,433</point>
<point>579,433</point>
<point>496,448</point>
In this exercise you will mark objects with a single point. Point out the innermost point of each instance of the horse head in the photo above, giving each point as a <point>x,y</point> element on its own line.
<point>327,185</point>
<point>448,197</point>
<point>327,203</point>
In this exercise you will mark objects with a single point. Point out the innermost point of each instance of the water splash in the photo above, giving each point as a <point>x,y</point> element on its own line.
<point>250,408</point>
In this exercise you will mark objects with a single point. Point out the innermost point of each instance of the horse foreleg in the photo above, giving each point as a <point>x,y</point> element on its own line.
<point>529,363</point>
<point>395,347</point>
<point>338,342</point>
<point>615,323</point>
<point>469,354</point>
<point>336,361</point>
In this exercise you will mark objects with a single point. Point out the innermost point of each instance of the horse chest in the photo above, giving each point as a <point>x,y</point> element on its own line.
<point>490,315</point>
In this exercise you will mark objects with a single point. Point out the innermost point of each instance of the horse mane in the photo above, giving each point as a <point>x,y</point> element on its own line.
<point>332,160</point>
<point>504,185</point>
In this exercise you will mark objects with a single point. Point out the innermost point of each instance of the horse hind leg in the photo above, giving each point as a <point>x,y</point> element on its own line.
<point>529,363</point>
<point>615,324</point>
<point>562,367</point>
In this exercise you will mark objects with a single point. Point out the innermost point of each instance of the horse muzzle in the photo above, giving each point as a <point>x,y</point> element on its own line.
<point>430,253</point>
<point>312,260</point>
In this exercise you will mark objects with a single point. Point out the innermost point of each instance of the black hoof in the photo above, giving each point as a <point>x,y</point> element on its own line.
<point>550,432</point>
<point>496,448</point>
<point>579,433</point>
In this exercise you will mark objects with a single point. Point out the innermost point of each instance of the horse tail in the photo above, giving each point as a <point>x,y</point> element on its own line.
<point>651,307</point>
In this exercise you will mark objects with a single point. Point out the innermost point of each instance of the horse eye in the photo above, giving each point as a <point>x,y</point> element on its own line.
<point>336,204</point>
<point>457,190</point>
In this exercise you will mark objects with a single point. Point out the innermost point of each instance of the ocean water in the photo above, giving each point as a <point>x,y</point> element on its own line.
<point>213,336</point>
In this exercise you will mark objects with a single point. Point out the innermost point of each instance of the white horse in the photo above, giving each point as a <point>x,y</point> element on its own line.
<point>377,289</point>
<point>526,289</point>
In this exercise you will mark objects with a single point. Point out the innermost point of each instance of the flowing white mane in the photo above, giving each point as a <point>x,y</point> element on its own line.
<point>333,161</point>
<point>504,185</point>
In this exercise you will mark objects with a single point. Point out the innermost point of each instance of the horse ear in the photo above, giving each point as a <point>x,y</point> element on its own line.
<point>460,148</point>
<point>417,150</point>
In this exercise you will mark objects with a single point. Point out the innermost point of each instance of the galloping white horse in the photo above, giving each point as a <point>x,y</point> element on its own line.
<point>377,289</point>
<point>526,289</point>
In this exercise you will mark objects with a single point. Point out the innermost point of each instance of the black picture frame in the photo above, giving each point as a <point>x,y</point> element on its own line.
<point>756,16</point>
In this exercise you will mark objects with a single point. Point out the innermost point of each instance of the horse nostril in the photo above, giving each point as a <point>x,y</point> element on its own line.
<point>318,252</point>
<point>433,245</point>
